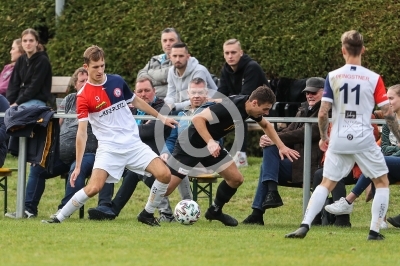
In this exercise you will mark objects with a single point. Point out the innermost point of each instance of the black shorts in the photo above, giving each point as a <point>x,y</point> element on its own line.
<point>180,163</point>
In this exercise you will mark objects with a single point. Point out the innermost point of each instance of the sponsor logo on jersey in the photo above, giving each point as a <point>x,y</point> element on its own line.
<point>100,105</point>
<point>351,114</point>
<point>113,108</point>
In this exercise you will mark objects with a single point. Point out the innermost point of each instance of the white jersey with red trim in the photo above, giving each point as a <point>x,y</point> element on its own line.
<point>105,106</point>
<point>353,91</point>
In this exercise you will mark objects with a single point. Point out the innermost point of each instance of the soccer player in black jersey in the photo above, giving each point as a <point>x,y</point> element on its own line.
<point>198,143</point>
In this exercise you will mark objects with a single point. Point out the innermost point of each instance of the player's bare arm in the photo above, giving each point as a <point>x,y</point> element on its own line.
<point>199,121</point>
<point>81,138</point>
<point>269,130</point>
<point>391,121</point>
<point>323,120</point>
<point>142,105</point>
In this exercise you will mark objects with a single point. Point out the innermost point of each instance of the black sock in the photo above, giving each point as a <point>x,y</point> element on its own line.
<point>257,212</point>
<point>306,226</point>
<point>224,194</point>
<point>272,185</point>
<point>146,214</point>
<point>348,201</point>
<point>373,233</point>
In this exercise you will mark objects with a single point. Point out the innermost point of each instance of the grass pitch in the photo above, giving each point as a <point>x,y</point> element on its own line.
<point>125,241</point>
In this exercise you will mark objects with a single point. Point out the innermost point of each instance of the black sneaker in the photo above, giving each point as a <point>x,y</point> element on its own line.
<point>377,237</point>
<point>152,221</point>
<point>253,219</point>
<point>395,221</point>
<point>101,213</point>
<point>299,233</point>
<point>342,220</point>
<point>222,217</point>
<point>272,200</point>
<point>52,221</point>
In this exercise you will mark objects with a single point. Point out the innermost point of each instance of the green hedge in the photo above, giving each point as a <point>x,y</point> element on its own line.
<point>288,38</point>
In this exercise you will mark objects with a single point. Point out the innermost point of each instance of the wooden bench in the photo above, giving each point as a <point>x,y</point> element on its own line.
<point>59,85</point>
<point>203,184</point>
<point>4,174</point>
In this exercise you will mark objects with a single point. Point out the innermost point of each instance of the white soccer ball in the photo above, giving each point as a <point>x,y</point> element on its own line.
<point>187,212</point>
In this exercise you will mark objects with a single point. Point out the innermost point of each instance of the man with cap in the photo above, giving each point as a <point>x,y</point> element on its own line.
<point>275,171</point>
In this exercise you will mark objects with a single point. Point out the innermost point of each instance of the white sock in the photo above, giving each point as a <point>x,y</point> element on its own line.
<point>379,208</point>
<point>157,191</point>
<point>315,204</point>
<point>72,205</point>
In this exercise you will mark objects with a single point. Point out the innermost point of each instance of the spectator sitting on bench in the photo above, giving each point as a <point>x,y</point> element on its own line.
<point>185,69</point>
<point>149,131</point>
<point>4,105</point>
<point>65,164</point>
<point>273,169</point>
<point>30,82</point>
<point>197,92</point>
<point>157,67</point>
<point>5,75</point>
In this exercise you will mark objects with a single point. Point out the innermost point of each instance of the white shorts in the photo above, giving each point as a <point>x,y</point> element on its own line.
<point>372,164</point>
<point>114,161</point>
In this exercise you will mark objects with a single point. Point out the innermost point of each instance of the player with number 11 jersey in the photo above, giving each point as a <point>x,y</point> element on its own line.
<point>353,91</point>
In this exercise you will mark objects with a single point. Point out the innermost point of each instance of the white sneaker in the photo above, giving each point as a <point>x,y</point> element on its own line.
<point>55,215</point>
<point>339,207</point>
<point>26,215</point>
<point>383,225</point>
<point>240,159</point>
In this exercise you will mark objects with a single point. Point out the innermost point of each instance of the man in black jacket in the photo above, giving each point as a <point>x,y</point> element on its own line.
<point>109,209</point>
<point>240,75</point>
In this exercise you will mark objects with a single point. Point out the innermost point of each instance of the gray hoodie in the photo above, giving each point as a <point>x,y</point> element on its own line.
<point>157,70</point>
<point>177,86</point>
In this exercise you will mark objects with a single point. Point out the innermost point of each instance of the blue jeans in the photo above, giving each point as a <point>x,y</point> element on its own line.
<point>86,171</point>
<point>38,175</point>
<point>33,102</point>
<point>393,164</point>
<point>272,168</point>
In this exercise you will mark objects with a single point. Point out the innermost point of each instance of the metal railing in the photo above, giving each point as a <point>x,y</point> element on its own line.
<point>21,183</point>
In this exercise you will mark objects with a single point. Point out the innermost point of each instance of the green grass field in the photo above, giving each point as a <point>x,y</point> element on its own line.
<point>125,241</point>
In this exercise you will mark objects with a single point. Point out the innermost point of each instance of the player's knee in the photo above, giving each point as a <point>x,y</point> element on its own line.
<point>164,175</point>
<point>92,190</point>
<point>236,182</point>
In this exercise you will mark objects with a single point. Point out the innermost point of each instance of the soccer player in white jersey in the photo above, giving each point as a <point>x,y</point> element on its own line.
<point>103,101</point>
<point>352,91</point>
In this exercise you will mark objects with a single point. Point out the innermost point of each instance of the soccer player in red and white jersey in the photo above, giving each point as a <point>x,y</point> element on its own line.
<point>352,92</point>
<point>103,101</point>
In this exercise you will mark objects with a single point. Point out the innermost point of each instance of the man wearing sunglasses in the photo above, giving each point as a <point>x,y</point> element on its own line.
<point>275,171</point>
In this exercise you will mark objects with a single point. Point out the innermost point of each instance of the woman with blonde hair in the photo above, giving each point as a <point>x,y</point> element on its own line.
<point>5,75</point>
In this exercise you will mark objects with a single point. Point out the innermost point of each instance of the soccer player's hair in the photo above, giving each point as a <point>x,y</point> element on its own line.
<point>180,45</point>
<point>263,94</point>
<point>168,30</point>
<point>395,88</point>
<point>144,79</point>
<point>233,41</point>
<point>93,53</point>
<point>353,42</point>
<point>198,81</point>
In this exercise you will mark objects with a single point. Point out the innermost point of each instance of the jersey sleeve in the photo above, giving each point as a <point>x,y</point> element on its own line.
<point>327,95</point>
<point>380,95</point>
<point>219,113</point>
<point>82,107</point>
<point>128,94</point>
